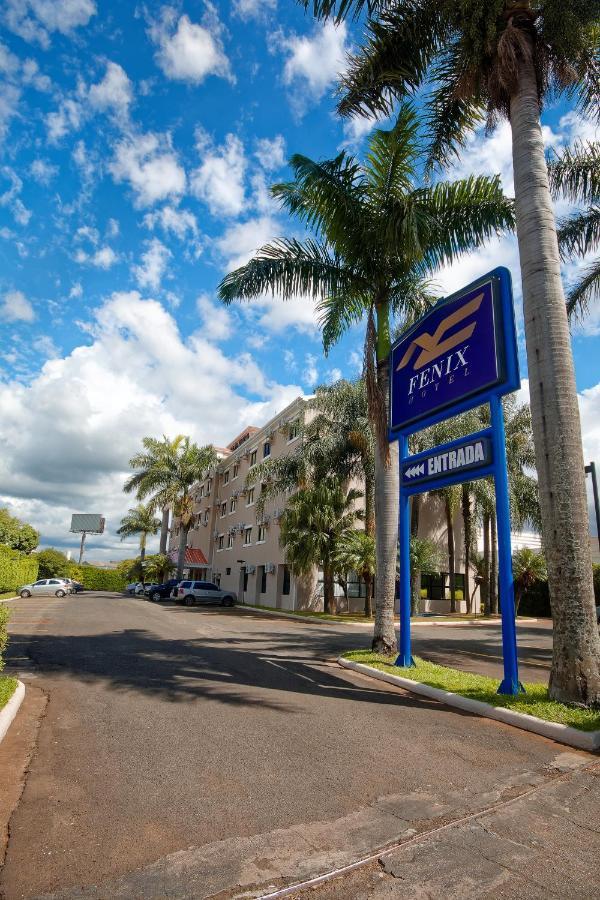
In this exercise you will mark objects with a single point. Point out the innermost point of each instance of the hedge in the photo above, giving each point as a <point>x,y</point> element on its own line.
<point>95,579</point>
<point>16,571</point>
<point>4,616</point>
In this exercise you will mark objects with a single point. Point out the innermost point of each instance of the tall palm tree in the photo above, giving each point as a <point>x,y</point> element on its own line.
<point>312,525</point>
<point>147,462</point>
<point>169,480</point>
<point>379,235</point>
<point>575,175</point>
<point>140,520</point>
<point>505,58</point>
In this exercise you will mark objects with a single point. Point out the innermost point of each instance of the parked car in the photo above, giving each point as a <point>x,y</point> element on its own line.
<point>76,586</point>
<point>165,590</point>
<point>135,587</point>
<point>192,592</point>
<point>49,586</point>
<point>149,587</point>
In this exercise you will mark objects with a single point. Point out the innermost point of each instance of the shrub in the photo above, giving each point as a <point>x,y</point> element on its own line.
<point>16,569</point>
<point>96,579</point>
<point>4,616</point>
<point>52,563</point>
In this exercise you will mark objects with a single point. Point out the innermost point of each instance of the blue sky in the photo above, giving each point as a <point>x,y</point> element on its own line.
<point>137,143</point>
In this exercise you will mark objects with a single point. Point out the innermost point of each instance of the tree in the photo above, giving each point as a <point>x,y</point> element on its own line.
<point>424,560</point>
<point>142,521</point>
<point>157,568</point>
<point>148,462</point>
<point>16,534</point>
<point>52,563</point>
<point>528,567</point>
<point>379,235</point>
<point>311,527</point>
<point>166,476</point>
<point>575,175</point>
<point>505,58</point>
<point>355,552</point>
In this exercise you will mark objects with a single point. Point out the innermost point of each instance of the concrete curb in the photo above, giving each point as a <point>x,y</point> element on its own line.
<point>9,711</point>
<point>313,620</point>
<point>8,599</point>
<point>564,734</point>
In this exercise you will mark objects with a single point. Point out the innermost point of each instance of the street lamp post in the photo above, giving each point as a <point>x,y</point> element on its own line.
<point>591,470</point>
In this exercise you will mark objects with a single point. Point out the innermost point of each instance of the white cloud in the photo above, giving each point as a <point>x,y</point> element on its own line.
<point>76,291</point>
<point>150,165</point>
<point>271,152</point>
<point>173,221</point>
<point>11,199</point>
<point>67,118</point>
<point>15,307</point>
<point>45,346</point>
<point>137,376</point>
<point>112,228</point>
<point>217,322</point>
<point>253,9</point>
<point>219,179</point>
<point>31,75</point>
<point>43,171</point>
<point>9,104</point>
<point>153,265</point>
<point>356,129</point>
<point>313,63</point>
<point>189,51</point>
<point>241,241</point>
<point>102,258</point>
<point>333,375</point>
<point>310,375</point>
<point>35,20</point>
<point>114,92</point>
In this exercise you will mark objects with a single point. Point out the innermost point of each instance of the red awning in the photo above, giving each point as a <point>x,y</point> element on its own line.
<point>193,557</point>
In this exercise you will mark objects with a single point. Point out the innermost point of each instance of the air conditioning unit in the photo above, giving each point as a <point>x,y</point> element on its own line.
<point>250,569</point>
<point>269,568</point>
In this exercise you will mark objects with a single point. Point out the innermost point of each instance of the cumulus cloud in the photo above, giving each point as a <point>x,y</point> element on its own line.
<point>313,63</point>
<point>102,258</point>
<point>216,322</point>
<point>42,171</point>
<point>172,220</point>
<point>310,375</point>
<point>153,265</point>
<point>138,376</point>
<point>150,165</point>
<point>253,9</point>
<point>15,307</point>
<point>219,179</point>
<point>10,197</point>
<point>114,92</point>
<point>36,20</point>
<point>188,51</point>
<point>271,152</point>
<point>64,120</point>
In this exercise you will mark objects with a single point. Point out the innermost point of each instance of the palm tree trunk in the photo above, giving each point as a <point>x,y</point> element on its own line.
<point>164,531</point>
<point>467,529</point>
<point>451,553</point>
<point>415,591</point>
<point>183,536</point>
<point>369,505</point>
<point>494,566</point>
<point>328,590</point>
<point>142,547</point>
<point>386,530</point>
<point>485,584</point>
<point>415,509</point>
<point>575,673</point>
<point>368,594</point>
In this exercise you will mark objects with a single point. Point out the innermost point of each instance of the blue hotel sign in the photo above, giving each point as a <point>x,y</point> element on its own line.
<point>459,458</point>
<point>454,356</point>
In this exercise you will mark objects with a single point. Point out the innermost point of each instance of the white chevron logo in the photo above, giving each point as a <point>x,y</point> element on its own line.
<point>415,470</point>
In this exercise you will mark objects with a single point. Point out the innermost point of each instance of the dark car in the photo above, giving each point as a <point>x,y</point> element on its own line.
<point>164,591</point>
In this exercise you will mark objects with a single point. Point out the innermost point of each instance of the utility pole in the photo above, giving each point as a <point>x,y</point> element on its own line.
<point>591,470</point>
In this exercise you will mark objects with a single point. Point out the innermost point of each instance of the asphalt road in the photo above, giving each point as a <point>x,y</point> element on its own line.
<point>186,751</point>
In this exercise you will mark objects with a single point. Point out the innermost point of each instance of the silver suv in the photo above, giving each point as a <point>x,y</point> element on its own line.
<point>192,592</point>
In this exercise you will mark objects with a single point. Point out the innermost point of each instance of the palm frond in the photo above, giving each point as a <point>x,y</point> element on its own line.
<point>579,233</point>
<point>338,10</point>
<point>337,313</point>
<point>391,157</point>
<point>575,173</point>
<point>584,291</point>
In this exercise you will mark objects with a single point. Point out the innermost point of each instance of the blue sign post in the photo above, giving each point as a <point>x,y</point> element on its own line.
<point>461,354</point>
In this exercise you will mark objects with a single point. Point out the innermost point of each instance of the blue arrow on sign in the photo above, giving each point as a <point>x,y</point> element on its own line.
<point>468,455</point>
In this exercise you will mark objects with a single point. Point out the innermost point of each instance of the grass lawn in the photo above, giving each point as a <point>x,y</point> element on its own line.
<point>7,595</point>
<point>535,702</point>
<point>312,614</point>
<point>8,686</point>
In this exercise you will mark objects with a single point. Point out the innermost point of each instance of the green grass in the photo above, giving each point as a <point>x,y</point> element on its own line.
<point>535,702</point>
<point>7,595</point>
<point>8,686</point>
<point>311,613</point>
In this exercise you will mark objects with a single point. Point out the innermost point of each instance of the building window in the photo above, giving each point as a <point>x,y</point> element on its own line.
<point>262,534</point>
<point>221,542</point>
<point>250,497</point>
<point>206,517</point>
<point>266,449</point>
<point>263,580</point>
<point>228,571</point>
<point>247,536</point>
<point>285,589</point>
<point>229,541</point>
<point>245,579</point>
<point>294,430</point>
<point>202,492</point>
<point>226,477</point>
<point>253,458</point>
<point>233,504</point>
<point>208,487</point>
<point>236,469</point>
<point>223,509</point>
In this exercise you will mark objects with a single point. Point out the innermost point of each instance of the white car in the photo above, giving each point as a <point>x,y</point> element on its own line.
<point>135,588</point>
<point>56,586</point>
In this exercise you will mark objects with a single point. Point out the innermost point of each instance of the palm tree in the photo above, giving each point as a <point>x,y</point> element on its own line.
<point>424,560</point>
<point>379,236</point>
<point>142,521</point>
<point>575,175</point>
<point>504,58</point>
<point>356,553</point>
<point>311,527</point>
<point>169,479</point>
<point>528,567</point>
<point>158,567</point>
<point>147,462</point>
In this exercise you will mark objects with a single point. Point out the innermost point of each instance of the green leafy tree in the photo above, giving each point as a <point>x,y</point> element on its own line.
<point>378,236</point>
<point>424,560</point>
<point>506,58</point>
<point>168,482</point>
<point>142,521</point>
<point>52,563</point>
<point>528,568</point>
<point>17,535</point>
<point>158,567</point>
<point>355,552</point>
<point>311,527</point>
<point>575,175</point>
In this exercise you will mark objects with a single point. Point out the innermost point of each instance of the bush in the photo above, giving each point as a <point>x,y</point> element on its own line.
<point>16,569</point>
<point>96,579</point>
<point>4,616</point>
<point>52,563</point>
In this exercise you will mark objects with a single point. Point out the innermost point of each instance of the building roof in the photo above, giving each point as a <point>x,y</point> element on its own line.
<point>245,435</point>
<point>193,557</point>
